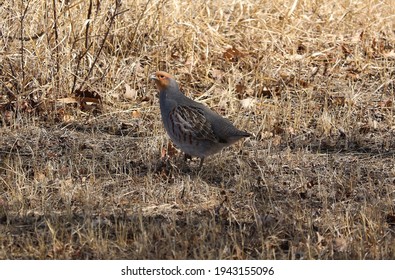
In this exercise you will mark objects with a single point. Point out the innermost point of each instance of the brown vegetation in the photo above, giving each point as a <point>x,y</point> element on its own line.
<point>87,171</point>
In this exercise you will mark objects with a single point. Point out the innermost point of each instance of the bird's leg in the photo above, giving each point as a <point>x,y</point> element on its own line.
<point>201,163</point>
<point>185,165</point>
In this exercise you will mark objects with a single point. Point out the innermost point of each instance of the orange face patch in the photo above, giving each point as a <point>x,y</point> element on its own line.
<point>162,79</point>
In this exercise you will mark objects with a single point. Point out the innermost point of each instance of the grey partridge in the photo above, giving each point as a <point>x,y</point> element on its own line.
<point>193,127</point>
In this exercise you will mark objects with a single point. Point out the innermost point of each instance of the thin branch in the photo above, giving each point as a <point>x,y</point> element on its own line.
<point>88,17</point>
<point>112,19</point>
<point>23,15</point>
<point>55,27</point>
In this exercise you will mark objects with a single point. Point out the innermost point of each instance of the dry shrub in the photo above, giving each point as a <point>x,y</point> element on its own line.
<point>86,169</point>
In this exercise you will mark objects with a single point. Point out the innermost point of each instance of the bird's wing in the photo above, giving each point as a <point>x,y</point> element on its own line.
<point>192,121</point>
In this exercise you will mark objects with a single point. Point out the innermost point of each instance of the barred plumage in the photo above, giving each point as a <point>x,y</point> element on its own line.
<point>193,127</point>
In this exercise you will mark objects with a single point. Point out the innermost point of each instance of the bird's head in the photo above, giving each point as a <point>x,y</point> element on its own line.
<point>163,80</point>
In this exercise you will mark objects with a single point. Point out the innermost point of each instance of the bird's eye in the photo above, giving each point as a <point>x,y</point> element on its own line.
<point>161,76</point>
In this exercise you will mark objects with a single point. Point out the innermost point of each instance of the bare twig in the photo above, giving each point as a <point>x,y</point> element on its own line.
<point>23,15</point>
<point>55,28</point>
<point>112,18</point>
<point>88,18</point>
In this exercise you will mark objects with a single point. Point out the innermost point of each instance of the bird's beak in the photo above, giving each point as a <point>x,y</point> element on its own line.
<point>153,76</point>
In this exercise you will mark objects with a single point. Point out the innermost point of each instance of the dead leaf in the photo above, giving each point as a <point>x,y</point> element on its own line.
<point>130,93</point>
<point>136,114</point>
<point>233,54</point>
<point>240,88</point>
<point>248,103</point>
<point>340,244</point>
<point>217,74</point>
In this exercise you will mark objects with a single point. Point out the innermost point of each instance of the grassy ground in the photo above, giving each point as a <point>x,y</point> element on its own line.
<point>87,171</point>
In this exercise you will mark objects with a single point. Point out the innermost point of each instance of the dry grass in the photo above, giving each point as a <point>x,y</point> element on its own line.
<point>314,83</point>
